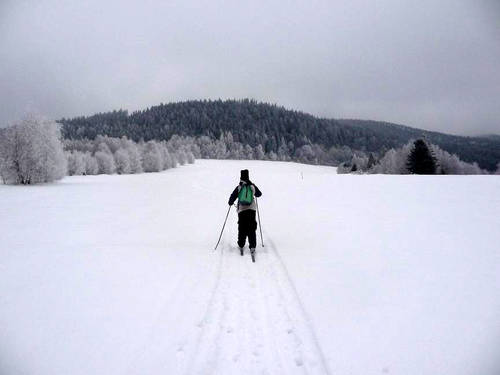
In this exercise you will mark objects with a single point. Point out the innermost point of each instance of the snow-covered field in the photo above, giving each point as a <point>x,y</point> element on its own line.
<point>359,274</point>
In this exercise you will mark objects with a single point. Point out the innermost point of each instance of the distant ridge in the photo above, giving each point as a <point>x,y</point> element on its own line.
<point>271,125</point>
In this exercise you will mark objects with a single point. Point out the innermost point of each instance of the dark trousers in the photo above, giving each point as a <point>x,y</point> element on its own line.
<point>246,228</point>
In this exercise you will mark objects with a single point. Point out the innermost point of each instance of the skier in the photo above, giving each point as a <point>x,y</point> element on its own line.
<point>245,192</point>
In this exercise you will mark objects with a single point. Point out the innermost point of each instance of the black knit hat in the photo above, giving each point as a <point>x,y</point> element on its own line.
<point>244,175</point>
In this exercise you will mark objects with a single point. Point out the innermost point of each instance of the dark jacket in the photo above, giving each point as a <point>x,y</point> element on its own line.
<point>234,196</point>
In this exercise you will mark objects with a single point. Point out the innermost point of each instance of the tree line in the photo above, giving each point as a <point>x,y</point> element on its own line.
<point>273,127</point>
<point>415,157</point>
<point>108,155</point>
<point>33,151</point>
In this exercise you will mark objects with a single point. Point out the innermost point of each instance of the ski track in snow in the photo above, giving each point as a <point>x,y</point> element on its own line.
<point>250,320</point>
<point>255,322</point>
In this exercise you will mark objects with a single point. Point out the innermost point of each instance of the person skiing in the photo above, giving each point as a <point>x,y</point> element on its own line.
<point>245,193</point>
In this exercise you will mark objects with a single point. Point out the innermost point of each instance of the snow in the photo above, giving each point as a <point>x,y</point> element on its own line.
<point>359,274</point>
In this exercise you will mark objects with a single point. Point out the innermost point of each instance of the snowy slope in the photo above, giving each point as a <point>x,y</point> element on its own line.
<point>359,274</point>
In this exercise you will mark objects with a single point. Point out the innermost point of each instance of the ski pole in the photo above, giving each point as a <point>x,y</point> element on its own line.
<point>260,227</point>
<point>223,228</point>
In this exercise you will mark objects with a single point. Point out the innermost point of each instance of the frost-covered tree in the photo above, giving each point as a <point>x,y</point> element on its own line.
<point>76,163</point>
<point>388,164</point>
<point>259,152</point>
<point>358,164</point>
<point>195,150</point>
<point>305,154</point>
<point>132,162</point>
<point>91,166</point>
<point>151,157</point>
<point>248,152</point>
<point>175,162</point>
<point>112,144</point>
<point>206,145</point>
<point>237,151</point>
<point>134,156</point>
<point>344,168</point>
<point>360,161</point>
<point>12,165</point>
<point>167,160</point>
<point>106,162</point>
<point>122,162</point>
<point>394,161</point>
<point>1,162</point>
<point>53,163</point>
<point>32,152</point>
<point>220,149</point>
<point>82,145</point>
<point>472,169</point>
<point>283,151</point>
<point>451,163</point>
<point>338,155</point>
<point>181,157</point>
<point>103,147</point>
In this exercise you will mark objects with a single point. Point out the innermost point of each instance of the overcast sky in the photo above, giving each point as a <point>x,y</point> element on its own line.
<point>428,64</point>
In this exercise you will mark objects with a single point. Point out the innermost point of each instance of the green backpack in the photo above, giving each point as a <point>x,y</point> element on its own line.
<point>245,196</point>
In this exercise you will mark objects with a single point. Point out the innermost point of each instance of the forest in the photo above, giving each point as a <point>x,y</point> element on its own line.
<point>254,123</point>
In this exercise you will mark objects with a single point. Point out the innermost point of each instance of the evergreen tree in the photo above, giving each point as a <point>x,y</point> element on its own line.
<point>371,161</point>
<point>421,160</point>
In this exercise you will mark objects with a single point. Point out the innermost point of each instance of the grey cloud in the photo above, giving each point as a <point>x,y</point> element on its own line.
<point>426,64</point>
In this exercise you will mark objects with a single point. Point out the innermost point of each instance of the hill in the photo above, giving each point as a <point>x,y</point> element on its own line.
<point>254,123</point>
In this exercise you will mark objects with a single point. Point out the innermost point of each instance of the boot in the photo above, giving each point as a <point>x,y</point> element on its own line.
<point>241,251</point>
